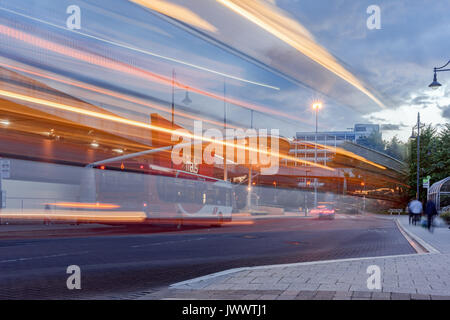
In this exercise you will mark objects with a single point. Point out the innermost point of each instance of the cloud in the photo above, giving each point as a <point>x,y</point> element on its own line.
<point>446,112</point>
<point>421,100</point>
<point>392,127</point>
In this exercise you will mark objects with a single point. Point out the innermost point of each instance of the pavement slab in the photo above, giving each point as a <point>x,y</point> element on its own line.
<point>422,276</point>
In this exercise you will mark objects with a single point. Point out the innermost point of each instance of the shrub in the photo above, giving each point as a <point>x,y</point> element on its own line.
<point>446,216</point>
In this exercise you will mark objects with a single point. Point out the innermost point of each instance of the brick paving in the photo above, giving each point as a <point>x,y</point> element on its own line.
<point>405,277</point>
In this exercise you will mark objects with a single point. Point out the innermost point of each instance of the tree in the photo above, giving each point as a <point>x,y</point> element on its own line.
<point>396,149</point>
<point>434,158</point>
<point>441,155</point>
<point>373,141</point>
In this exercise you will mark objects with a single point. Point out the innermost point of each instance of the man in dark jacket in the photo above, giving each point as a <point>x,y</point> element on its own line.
<point>430,211</point>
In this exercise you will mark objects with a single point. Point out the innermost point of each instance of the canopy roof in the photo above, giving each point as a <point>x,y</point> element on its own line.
<point>440,193</point>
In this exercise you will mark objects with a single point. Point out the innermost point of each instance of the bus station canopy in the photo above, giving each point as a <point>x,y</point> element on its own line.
<point>440,193</point>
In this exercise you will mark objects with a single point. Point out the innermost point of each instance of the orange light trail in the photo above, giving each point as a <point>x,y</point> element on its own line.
<point>177,12</point>
<point>149,53</point>
<point>84,205</point>
<point>355,156</point>
<point>182,133</point>
<point>348,154</point>
<point>80,216</point>
<point>274,21</point>
<point>124,68</point>
<point>114,94</point>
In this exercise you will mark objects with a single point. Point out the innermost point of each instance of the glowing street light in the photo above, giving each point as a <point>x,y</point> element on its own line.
<point>317,106</point>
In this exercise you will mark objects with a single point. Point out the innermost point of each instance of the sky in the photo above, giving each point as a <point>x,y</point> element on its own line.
<point>212,48</point>
<point>396,60</point>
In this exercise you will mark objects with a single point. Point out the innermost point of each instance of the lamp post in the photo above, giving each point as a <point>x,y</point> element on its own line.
<point>316,106</point>
<point>435,84</point>
<point>306,192</point>
<point>418,125</point>
<point>249,188</point>
<point>225,159</point>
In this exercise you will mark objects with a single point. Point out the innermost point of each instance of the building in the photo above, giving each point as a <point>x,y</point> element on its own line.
<point>304,144</point>
<point>365,130</point>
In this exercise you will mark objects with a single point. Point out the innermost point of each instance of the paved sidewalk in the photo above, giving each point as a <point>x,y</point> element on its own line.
<point>417,276</point>
<point>439,239</point>
<point>414,276</point>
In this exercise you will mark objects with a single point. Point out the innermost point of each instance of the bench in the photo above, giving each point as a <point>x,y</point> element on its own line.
<point>397,211</point>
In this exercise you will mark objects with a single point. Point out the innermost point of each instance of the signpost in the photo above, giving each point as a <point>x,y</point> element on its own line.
<point>5,173</point>
<point>426,184</point>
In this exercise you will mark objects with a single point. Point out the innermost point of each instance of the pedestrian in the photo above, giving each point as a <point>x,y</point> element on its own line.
<point>430,211</point>
<point>410,214</point>
<point>415,208</point>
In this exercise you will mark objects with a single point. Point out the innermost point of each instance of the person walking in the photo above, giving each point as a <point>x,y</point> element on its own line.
<point>430,211</point>
<point>415,208</point>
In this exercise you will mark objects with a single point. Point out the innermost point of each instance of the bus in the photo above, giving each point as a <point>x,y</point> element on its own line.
<point>165,195</point>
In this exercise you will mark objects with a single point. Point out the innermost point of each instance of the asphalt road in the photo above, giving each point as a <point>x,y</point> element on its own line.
<point>124,262</point>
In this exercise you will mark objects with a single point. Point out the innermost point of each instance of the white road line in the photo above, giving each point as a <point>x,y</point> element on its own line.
<point>43,257</point>
<point>166,242</point>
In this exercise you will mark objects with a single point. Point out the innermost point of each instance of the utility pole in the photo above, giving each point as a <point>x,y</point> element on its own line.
<point>249,187</point>
<point>418,155</point>
<point>225,168</point>
<point>315,157</point>
<point>173,98</point>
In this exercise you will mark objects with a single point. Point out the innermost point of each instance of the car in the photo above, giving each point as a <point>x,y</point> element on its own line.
<point>324,211</point>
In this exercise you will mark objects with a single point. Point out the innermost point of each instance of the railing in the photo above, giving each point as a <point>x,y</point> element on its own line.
<point>397,211</point>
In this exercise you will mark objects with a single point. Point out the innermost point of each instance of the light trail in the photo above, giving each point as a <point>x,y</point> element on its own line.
<point>355,156</point>
<point>127,69</point>
<point>149,53</point>
<point>272,20</point>
<point>345,153</point>
<point>181,133</point>
<point>80,216</point>
<point>177,12</point>
<point>84,205</point>
<point>115,95</point>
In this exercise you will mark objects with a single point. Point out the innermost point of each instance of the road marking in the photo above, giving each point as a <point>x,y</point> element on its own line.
<point>166,242</point>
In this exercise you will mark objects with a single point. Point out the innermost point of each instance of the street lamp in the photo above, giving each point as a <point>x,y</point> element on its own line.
<point>186,99</point>
<point>316,106</point>
<point>418,125</point>
<point>435,84</point>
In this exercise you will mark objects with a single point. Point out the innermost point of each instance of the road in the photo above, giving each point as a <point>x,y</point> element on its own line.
<point>123,262</point>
